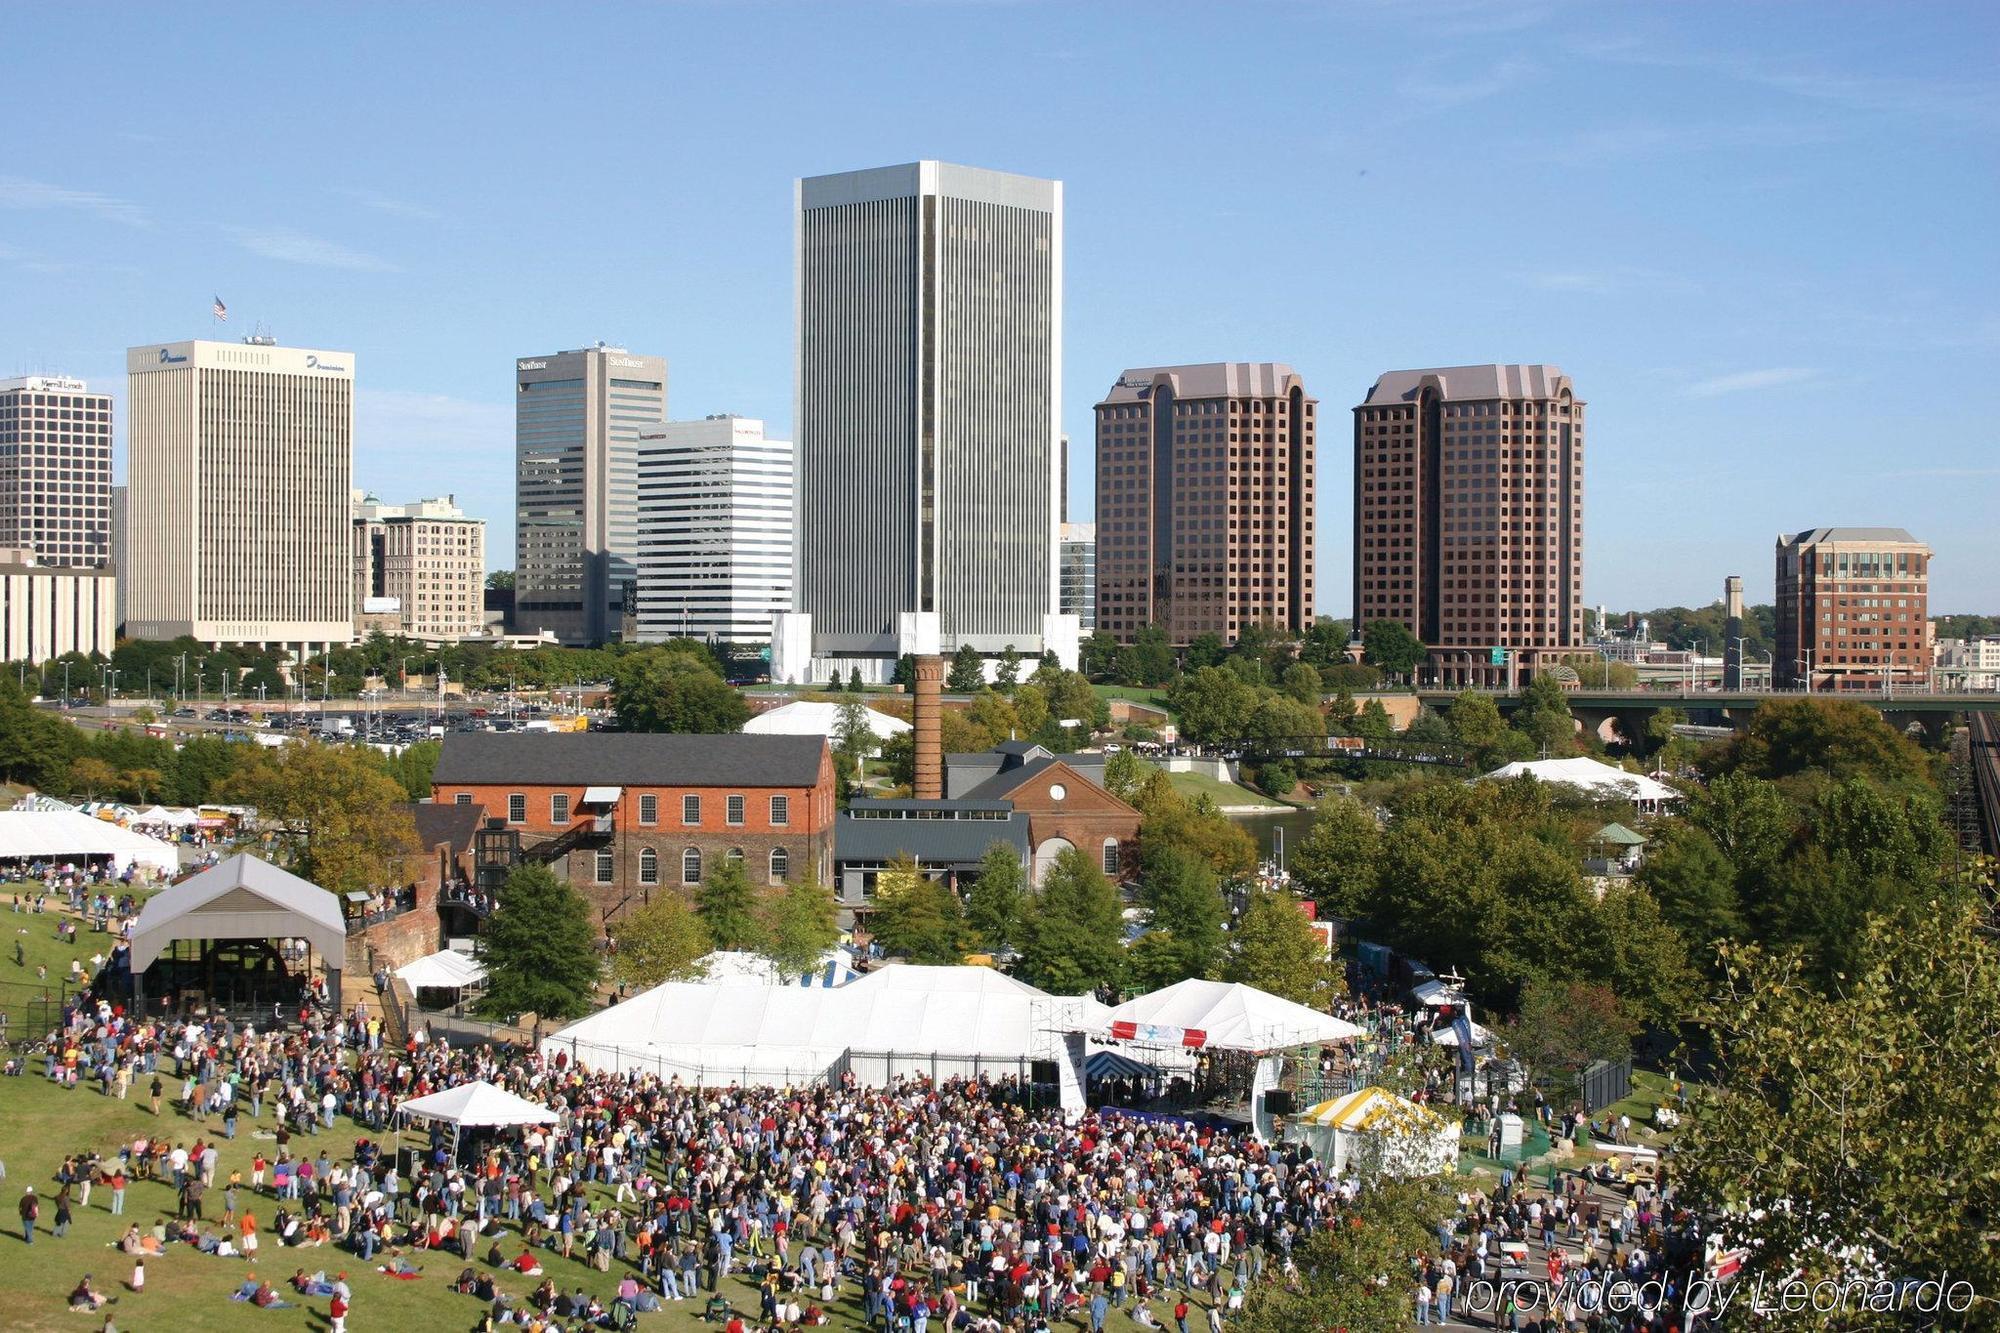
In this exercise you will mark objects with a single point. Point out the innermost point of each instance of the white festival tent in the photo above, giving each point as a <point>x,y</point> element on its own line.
<point>738,967</point>
<point>69,835</point>
<point>1374,1131</point>
<point>478,1105</point>
<point>1600,780</point>
<point>813,717</point>
<point>938,1022</point>
<point>1223,1015</point>
<point>443,970</point>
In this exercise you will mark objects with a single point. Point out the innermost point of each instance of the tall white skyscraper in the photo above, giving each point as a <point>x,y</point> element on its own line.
<point>715,531</point>
<point>577,421</point>
<point>241,456</point>
<point>929,391</point>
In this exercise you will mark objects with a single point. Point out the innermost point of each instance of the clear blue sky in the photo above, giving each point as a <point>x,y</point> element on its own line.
<point>1760,237</point>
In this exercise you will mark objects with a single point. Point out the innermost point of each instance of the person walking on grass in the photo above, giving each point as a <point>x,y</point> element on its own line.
<point>31,1212</point>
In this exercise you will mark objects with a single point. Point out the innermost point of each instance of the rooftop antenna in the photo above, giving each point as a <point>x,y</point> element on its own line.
<point>260,336</point>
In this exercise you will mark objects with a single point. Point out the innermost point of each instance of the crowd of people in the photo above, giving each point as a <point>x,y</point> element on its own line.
<point>954,1205</point>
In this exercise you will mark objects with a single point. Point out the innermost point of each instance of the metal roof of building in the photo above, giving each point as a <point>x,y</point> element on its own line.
<point>632,759</point>
<point>1472,384</point>
<point>1813,536</point>
<point>1210,379</point>
<point>931,841</point>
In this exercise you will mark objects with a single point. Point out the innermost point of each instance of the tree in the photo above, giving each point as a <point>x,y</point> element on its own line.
<point>1325,643</point>
<point>1660,728</point>
<point>1854,1134</point>
<point>1372,722</point>
<point>1336,862</point>
<point>1205,650</point>
<point>92,777</point>
<point>1544,717</point>
<point>906,672</point>
<point>1695,886</point>
<point>1187,916</point>
<point>1171,820</point>
<point>728,907</point>
<point>994,904</point>
<point>854,680</point>
<point>1606,675</point>
<point>798,926</point>
<point>34,746</point>
<point>412,767</point>
<point>343,822</point>
<point>1279,723</point>
<point>675,690</point>
<point>539,948</point>
<point>1354,1276</point>
<point>1644,960</point>
<point>967,674</point>
<point>1388,645</point>
<point>1099,655</point>
<point>662,941</point>
<point>1563,1026</point>
<point>917,918</point>
<point>1833,738</point>
<point>1211,705</point>
<point>141,781</point>
<point>1147,660</point>
<point>1276,949</point>
<point>1476,725</point>
<point>1007,674</point>
<point>854,730</point>
<point>899,756</point>
<point>1072,940</point>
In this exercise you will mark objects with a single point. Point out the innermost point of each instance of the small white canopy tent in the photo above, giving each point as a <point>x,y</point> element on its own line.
<point>243,898</point>
<point>1599,779</point>
<point>60,835</point>
<point>1223,1015</point>
<point>444,970</point>
<point>478,1104</point>
<point>1373,1131</point>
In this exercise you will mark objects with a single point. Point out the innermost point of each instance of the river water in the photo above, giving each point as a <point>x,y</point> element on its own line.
<point>1266,830</point>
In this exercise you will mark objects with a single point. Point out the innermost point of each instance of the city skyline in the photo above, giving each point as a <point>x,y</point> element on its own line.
<point>1628,186</point>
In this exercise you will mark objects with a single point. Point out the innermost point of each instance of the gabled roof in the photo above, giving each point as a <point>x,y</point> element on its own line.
<point>446,822</point>
<point>241,898</point>
<point>632,759</point>
<point>477,1103</point>
<point>1618,835</point>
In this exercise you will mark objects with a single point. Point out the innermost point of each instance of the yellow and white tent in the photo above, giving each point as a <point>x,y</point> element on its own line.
<point>1372,1131</point>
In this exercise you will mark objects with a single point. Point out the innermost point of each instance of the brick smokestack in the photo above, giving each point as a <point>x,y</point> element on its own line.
<point>926,723</point>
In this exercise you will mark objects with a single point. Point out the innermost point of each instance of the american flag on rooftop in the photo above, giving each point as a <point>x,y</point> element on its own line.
<point>221,310</point>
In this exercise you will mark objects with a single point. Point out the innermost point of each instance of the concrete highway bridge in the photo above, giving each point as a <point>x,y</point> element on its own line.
<point>1733,708</point>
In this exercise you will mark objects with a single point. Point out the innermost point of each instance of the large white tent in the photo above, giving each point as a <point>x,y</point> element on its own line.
<point>739,967</point>
<point>940,1022</point>
<point>69,835</point>
<point>1599,779</point>
<point>813,717</point>
<point>1221,1015</point>
<point>243,898</point>
<point>1373,1131</point>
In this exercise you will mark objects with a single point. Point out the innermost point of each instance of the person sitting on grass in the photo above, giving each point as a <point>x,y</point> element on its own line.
<point>527,1265</point>
<point>87,1297</point>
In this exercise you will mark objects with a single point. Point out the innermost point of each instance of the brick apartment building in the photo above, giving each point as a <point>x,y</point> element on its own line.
<point>1853,609</point>
<point>1205,500</point>
<point>643,813</point>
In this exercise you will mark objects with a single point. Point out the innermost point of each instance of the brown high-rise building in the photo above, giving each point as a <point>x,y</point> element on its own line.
<point>1853,609</point>
<point>1468,517</point>
<point>55,472</point>
<point>1205,500</point>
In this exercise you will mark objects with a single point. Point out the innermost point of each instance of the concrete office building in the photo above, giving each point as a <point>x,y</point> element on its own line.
<point>429,559</point>
<point>1205,500</point>
<point>1078,565</point>
<point>715,531</point>
<point>118,530</point>
<point>241,459</point>
<point>577,420</point>
<point>55,471</point>
<point>1468,518</point>
<point>49,610</point>
<point>929,300</point>
<point>1853,609</point>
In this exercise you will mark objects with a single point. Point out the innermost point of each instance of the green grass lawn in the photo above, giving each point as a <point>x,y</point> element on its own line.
<point>187,1291</point>
<point>1192,785</point>
<point>1138,694</point>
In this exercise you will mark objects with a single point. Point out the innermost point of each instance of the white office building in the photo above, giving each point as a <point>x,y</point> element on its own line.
<point>578,416</point>
<point>428,559</point>
<point>1078,565</point>
<point>240,464</point>
<point>49,610</point>
<point>715,531</point>
<point>929,392</point>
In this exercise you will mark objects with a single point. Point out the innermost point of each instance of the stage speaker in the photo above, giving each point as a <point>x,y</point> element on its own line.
<point>1279,1101</point>
<point>1044,1071</point>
